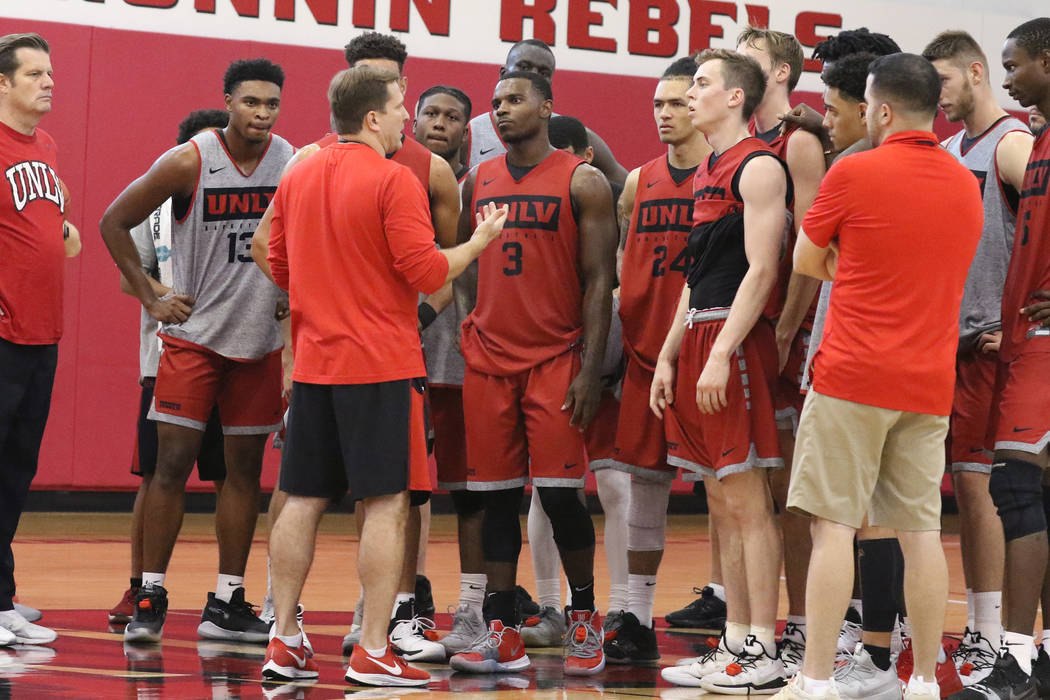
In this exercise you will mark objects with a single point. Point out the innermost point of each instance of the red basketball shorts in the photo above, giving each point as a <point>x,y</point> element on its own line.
<point>600,435</point>
<point>1023,391</point>
<point>971,412</point>
<point>516,427</point>
<point>450,439</point>
<point>744,434</point>
<point>789,397</point>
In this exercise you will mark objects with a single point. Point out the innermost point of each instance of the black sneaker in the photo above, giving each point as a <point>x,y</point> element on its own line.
<point>424,597</point>
<point>1041,673</point>
<point>1006,682</point>
<point>151,608</point>
<point>707,613</point>
<point>235,621</point>
<point>406,610</point>
<point>633,643</point>
<point>526,605</point>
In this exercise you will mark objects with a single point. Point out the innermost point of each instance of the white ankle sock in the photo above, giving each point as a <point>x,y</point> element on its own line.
<point>472,590</point>
<point>293,641</point>
<point>970,609</point>
<point>799,621</point>
<point>548,592</point>
<point>767,637</point>
<point>225,585</point>
<point>815,687</point>
<point>988,618</point>
<point>920,686</point>
<point>1020,647</point>
<point>617,594</point>
<point>735,635</point>
<point>719,589</point>
<point>941,656</point>
<point>1046,641</point>
<point>150,578</point>
<point>376,653</point>
<point>641,589</point>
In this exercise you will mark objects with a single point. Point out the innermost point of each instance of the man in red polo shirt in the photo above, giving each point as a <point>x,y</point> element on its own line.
<point>352,242</point>
<point>871,435</point>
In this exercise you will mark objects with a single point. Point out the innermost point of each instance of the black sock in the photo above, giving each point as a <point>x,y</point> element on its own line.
<point>502,606</point>
<point>136,583</point>
<point>878,579</point>
<point>880,656</point>
<point>583,597</point>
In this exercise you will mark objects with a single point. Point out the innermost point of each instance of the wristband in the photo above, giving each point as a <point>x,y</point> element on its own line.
<point>426,314</point>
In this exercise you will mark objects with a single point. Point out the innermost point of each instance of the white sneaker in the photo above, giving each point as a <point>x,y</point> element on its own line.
<point>795,691</point>
<point>7,637</point>
<point>850,633</point>
<point>712,662</point>
<point>409,643</point>
<point>974,658</point>
<point>753,672</point>
<point>30,614</point>
<point>267,614</point>
<point>792,648</point>
<point>467,625</point>
<point>544,630</point>
<point>26,632</point>
<point>858,678</point>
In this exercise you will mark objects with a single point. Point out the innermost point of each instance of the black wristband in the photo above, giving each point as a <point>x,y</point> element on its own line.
<point>426,314</point>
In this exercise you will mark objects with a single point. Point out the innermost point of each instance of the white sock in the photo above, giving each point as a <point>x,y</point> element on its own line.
<point>857,605</point>
<point>376,653</point>
<point>1046,641</point>
<point>293,641</point>
<point>225,585</point>
<point>399,599</point>
<point>988,619</point>
<point>1020,647</point>
<point>767,637</point>
<point>472,590</point>
<point>735,635</point>
<point>815,687</point>
<point>719,590</point>
<point>150,578</point>
<point>641,589</point>
<point>614,489</point>
<point>799,621</point>
<point>546,562</point>
<point>970,609</point>
<point>920,686</point>
<point>941,656</point>
<point>269,580</point>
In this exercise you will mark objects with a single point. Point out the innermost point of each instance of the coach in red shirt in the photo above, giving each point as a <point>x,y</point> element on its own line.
<point>351,241</point>
<point>896,228</point>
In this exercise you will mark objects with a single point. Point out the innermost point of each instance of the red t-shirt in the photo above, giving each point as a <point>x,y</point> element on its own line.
<point>351,241</point>
<point>530,289</point>
<point>1030,261</point>
<point>655,259</point>
<point>32,253</point>
<point>412,154</point>
<point>907,217</point>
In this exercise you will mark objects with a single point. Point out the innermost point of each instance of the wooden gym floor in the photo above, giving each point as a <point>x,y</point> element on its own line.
<point>75,567</point>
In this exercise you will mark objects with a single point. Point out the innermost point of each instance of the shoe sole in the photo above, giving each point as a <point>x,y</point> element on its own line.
<point>119,619</point>
<point>490,666</point>
<point>274,671</point>
<point>683,680</point>
<point>209,630</point>
<point>629,661</point>
<point>143,636</point>
<point>578,671</point>
<point>745,689</point>
<point>383,679</point>
<point>432,656</point>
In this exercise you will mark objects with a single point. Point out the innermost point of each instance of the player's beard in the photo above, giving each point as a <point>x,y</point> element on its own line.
<point>967,103</point>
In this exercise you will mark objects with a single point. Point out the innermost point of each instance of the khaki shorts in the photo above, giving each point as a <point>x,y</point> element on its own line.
<point>853,460</point>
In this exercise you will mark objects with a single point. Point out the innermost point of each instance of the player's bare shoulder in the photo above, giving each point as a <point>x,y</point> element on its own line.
<point>588,182</point>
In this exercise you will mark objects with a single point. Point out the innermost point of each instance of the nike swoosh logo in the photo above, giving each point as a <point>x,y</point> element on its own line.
<point>394,670</point>
<point>301,662</point>
<point>650,584</point>
<point>726,453</point>
<point>570,466</point>
<point>975,450</point>
<point>488,182</point>
<point>487,150</point>
<point>651,184</point>
<point>215,170</point>
<point>473,587</point>
<point>1021,430</point>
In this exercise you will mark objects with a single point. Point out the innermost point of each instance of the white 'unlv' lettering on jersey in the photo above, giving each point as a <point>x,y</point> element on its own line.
<point>30,180</point>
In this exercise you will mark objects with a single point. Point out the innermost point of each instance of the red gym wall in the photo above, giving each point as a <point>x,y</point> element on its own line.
<point>119,96</point>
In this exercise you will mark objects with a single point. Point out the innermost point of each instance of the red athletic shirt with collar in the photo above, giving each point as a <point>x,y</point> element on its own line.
<point>32,252</point>
<point>530,287</point>
<point>351,241</point>
<point>1029,269</point>
<point>907,217</point>
<point>412,154</point>
<point>655,259</point>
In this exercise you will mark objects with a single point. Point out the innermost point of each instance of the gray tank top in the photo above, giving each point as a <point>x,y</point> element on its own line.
<point>485,143</point>
<point>983,293</point>
<point>211,253</point>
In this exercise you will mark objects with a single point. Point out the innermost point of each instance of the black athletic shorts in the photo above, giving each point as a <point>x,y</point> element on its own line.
<point>352,438</point>
<point>211,460</point>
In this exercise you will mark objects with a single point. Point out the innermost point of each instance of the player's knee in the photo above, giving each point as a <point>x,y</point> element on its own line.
<point>467,504</point>
<point>573,529</point>
<point>647,515</point>
<point>501,529</point>
<point>1017,491</point>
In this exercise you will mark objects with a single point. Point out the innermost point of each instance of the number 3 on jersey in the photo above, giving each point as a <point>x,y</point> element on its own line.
<point>679,264</point>
<point>513,250</point>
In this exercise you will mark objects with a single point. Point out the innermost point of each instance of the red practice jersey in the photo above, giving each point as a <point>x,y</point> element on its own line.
<point>530,289</point>
<point>655,259</point>
<point>32,253</point>
<point>412,154</point>
<point>1030,261</point>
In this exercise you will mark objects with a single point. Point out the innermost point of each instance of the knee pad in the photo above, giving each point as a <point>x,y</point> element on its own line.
<point>647,515</point>
<point>467,503</point>
<point>572,525</point>
<point>500,527</point>
<point>418,498</point>
<point>1016,488</point>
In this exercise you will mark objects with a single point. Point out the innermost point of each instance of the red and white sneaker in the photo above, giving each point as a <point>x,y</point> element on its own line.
<point>387,669</point>
<point>583,644</point>
<point>500,649</point>
<point>947,675</point>
<point>285,663</point>
<point>122,612</point>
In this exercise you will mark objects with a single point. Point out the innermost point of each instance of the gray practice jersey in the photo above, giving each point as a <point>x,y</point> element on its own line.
<point>145,236</point>
<point>983,293</point>
<point>211,253</point>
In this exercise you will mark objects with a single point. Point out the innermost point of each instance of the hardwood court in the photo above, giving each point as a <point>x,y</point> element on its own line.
<point>75,567</point>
